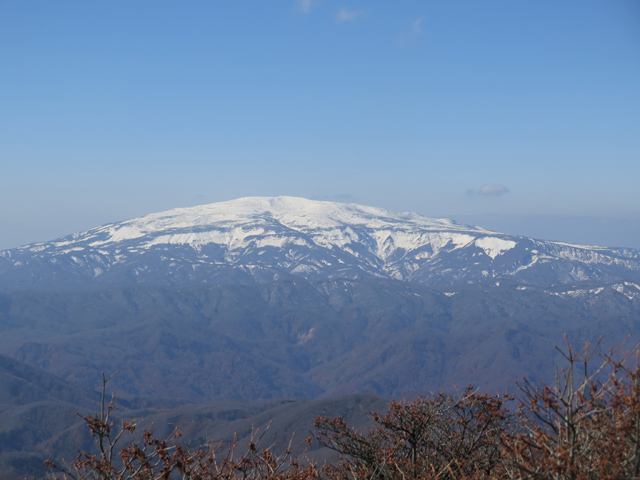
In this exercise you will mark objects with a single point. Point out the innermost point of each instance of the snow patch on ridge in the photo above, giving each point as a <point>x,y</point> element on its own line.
<point>125,232</point>
<point>494,246</point>
<point>461,240</point>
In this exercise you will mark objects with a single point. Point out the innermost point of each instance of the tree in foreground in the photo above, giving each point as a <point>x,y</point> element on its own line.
<point>586,426</point>
<point>444,437</point>
<point>149,458</point>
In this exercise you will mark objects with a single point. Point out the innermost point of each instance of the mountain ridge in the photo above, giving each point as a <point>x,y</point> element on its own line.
<point>257,239</point>
<point>259,300</point>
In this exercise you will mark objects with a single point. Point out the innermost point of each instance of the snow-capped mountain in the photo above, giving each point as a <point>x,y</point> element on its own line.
<point>258,239</point>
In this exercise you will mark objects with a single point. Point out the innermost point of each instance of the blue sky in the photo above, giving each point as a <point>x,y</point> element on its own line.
<point>522,115</point>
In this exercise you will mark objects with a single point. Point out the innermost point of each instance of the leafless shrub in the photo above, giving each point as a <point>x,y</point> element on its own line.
<point>586,426</point>
<point>149,458</point>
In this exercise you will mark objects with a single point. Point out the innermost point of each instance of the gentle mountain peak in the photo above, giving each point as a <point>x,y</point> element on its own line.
<point>286,210</point>
<point>256,215</point>
<point>257,239</point>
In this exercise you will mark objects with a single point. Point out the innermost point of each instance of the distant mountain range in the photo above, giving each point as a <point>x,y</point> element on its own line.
<point>277,297</point>
<point>258,239</point>
<point>289,303</point>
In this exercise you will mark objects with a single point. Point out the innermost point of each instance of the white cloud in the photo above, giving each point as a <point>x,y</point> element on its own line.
<point>345,15</point>
<point>493,189</point>
<point>409,36</point>
<point>305,5</point>
<point>417,25</point>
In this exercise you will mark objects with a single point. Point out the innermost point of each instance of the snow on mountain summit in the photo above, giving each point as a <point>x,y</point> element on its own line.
<point>238,222</point>
<point>290,212</point>
<point>262,239</point>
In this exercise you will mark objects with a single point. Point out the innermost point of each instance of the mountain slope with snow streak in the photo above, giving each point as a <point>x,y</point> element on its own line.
<point>261,239</point>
